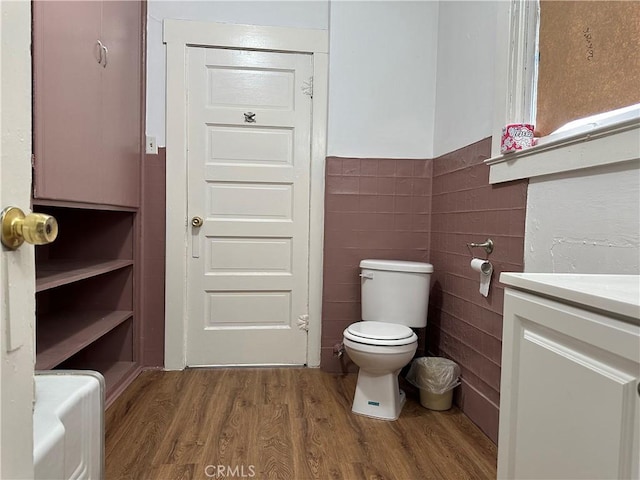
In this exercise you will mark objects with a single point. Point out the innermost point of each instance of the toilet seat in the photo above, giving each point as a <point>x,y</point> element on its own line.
<point>380,333</point>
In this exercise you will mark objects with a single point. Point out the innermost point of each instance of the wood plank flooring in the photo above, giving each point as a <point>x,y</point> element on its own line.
<point>284,423</point>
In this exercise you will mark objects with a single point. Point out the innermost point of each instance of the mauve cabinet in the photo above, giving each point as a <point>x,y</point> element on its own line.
<point>87,72</point>
<point>87,101</point>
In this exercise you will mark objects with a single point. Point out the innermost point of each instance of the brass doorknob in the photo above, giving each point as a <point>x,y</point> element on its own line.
<point>34,228</point>
<point>197,221</point>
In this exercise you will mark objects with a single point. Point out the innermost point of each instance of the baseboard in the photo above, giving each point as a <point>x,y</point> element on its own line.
<point>480,410</point>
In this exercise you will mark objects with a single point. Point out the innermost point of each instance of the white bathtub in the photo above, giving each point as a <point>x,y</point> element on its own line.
<point>68,425</point>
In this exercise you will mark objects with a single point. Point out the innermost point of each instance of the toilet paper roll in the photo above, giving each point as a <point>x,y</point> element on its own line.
<point>485,269</point>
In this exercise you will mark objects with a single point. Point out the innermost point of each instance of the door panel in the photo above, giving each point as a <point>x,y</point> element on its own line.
<point>248,158</point>
<point>236,309</point>
<point>248,255</point>
<point>17,270</point>
<point>237,145</point>
<point>235,86</point>
<point>561,387</point>
<point>258,201</point>
<point>119,174</point>
<point>67,83</point>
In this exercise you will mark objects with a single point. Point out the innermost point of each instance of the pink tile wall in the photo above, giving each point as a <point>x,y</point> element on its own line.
<point>427,210</point>
<point>462,324</point>
<point>374,208</point>
<point>153,258</point>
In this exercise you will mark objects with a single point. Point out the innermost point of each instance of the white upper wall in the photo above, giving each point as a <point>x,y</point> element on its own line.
<point>465,74</point>
<point>382,78</point>
<point>406,80</point>
<point>382,82</point>
<point>299,14</point>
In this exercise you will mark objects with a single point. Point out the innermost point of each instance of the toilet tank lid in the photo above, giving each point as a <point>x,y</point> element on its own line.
<point>397,266</point>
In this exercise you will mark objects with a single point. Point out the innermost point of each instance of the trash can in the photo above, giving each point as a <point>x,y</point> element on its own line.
<point>436,377</point>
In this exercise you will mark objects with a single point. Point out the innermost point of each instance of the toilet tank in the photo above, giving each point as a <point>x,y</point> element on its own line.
<point>395,291</point>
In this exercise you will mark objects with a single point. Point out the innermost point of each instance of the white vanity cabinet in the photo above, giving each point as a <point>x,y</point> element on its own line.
<point>570,393</point>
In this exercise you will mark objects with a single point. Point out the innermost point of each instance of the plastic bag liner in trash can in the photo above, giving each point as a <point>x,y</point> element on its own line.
<point>436,378</point>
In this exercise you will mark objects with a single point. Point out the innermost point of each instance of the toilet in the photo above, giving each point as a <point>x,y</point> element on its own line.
<point>395,295</point>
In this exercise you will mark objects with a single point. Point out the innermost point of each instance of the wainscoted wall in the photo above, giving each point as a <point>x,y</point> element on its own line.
<point>152,230</point>
<point>463,325</point>
<point>374,208</point>
<point>428,210</point>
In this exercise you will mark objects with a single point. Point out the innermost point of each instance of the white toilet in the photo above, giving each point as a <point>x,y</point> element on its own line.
<point>395,295</point>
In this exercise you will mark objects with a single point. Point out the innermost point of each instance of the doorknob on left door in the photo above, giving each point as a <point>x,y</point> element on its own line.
<point>34,228</point>
<point>197,222</point>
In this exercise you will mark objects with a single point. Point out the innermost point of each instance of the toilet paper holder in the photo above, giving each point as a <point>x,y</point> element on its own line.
<point>487,245</point>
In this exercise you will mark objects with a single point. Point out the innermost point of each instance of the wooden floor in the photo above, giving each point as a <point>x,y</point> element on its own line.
<point>281,423</point>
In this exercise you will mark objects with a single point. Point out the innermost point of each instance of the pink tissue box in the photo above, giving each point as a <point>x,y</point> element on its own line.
<point>516,136</point>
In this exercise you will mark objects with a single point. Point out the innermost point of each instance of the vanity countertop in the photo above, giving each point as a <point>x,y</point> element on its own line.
<point>618,294</point>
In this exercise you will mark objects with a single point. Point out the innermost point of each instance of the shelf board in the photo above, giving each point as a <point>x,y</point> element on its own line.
<point>117,375</point>
<point>114,372</point>
<point>81,205</point>
<point>62,335</point>
<point>55,273</point>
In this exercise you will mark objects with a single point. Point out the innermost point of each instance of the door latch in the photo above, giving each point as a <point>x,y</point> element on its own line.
<point>196,223</point>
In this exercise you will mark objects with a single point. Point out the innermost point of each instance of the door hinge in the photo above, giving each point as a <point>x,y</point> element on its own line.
<point>307,87</point>
<point>34,193</point>
<point>303,322</point>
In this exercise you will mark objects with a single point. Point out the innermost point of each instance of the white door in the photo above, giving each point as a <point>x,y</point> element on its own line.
<point>17,277</point>
<point>249,124</point>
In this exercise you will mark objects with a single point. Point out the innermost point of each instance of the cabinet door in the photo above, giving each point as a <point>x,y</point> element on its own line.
<point>121,103</point>
<point>66,98</point>
<point>569,403</point>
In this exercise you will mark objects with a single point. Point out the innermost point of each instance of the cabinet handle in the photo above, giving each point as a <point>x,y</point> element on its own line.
<point>106,55</point>
<point>100,47</point>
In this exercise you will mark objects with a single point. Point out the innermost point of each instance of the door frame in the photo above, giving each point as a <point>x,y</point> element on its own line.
<point>178,35</point>
<point>17,267</point>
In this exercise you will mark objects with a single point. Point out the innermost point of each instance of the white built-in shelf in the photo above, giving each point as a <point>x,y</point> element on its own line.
<point>55,273</point>
<point>62,335</point>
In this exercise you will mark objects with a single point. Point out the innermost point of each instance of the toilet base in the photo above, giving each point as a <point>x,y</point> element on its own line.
<point>378,396</point>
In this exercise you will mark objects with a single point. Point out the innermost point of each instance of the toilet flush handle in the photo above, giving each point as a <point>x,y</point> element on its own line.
<point>367,275</point>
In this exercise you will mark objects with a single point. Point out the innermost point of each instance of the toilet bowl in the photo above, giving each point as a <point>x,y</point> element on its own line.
<point>380,360</point>
<point>394,298</point>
